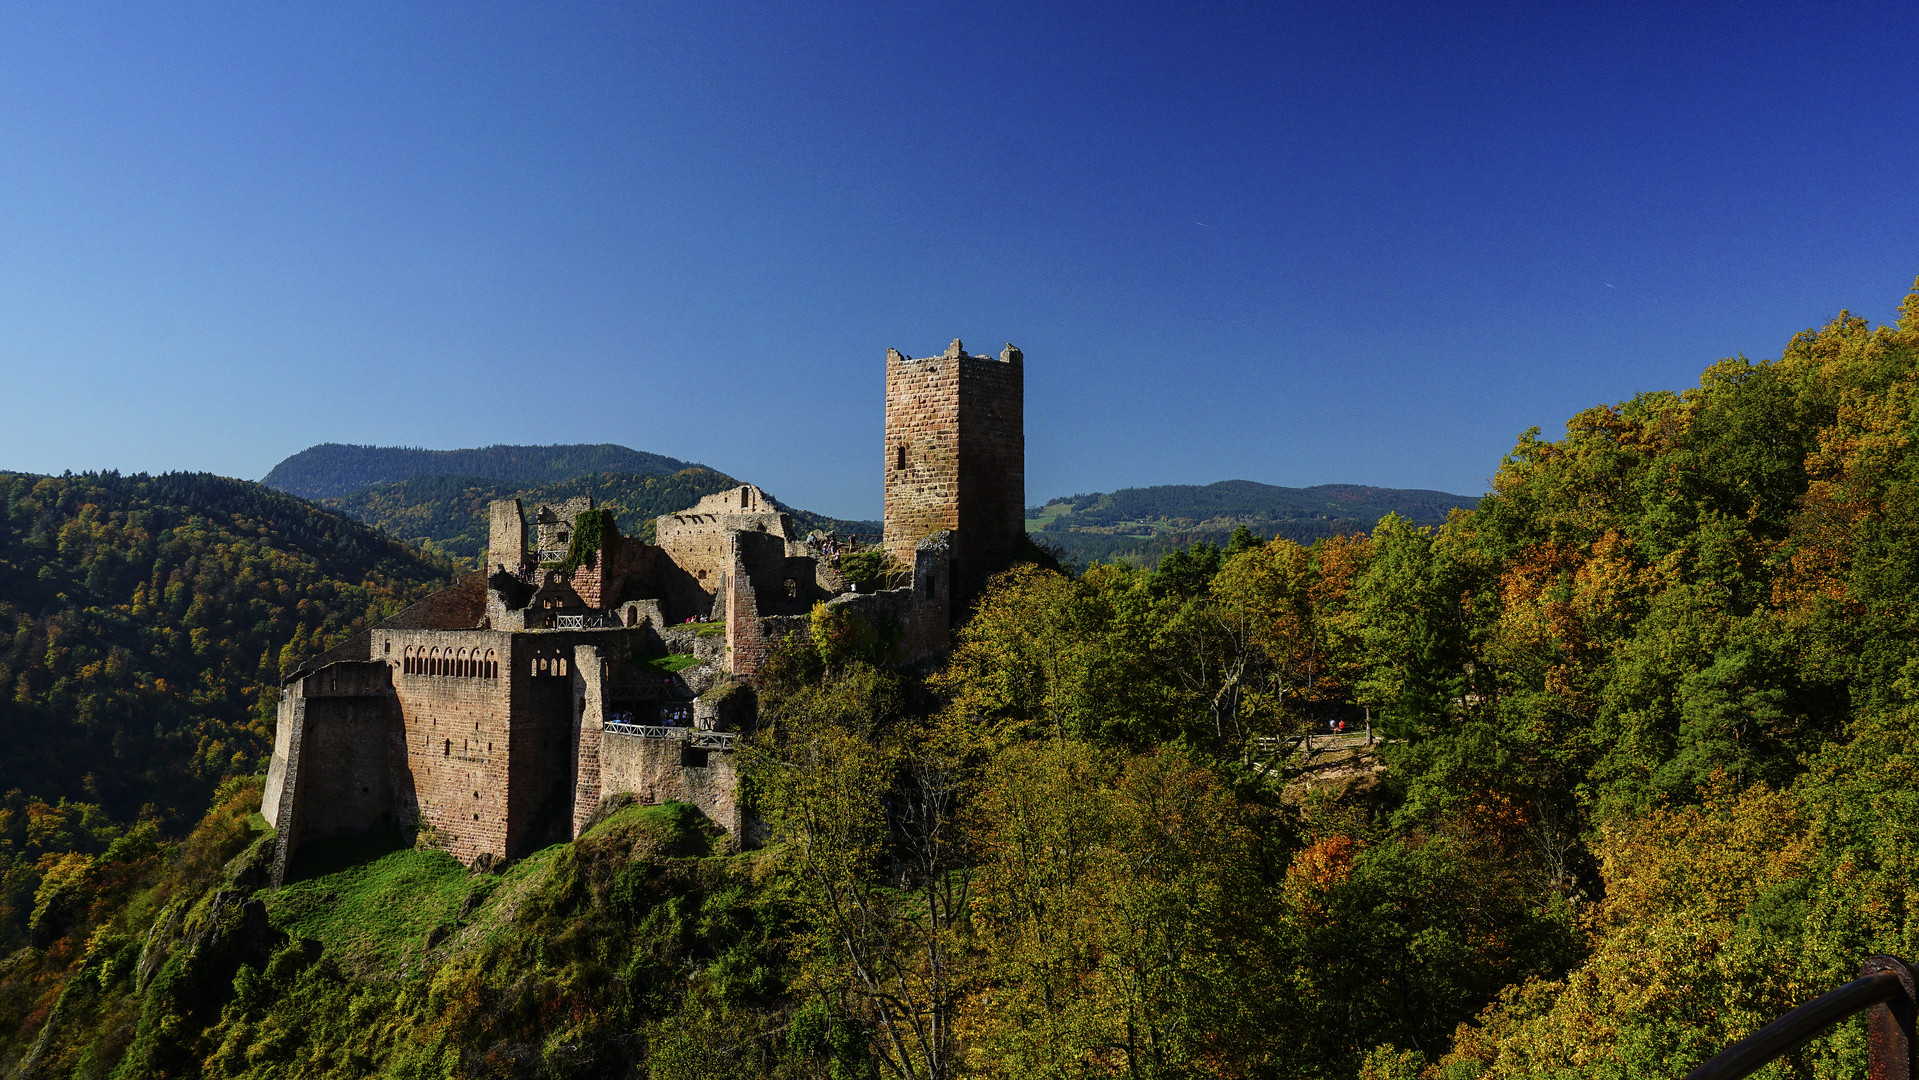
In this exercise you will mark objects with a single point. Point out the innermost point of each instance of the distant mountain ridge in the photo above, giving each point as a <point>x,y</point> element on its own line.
<point>1144,523</point>
<point>333,470</point>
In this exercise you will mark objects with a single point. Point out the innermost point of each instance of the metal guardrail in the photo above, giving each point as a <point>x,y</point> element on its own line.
<point>699,740</point>
<point>1885,987</point>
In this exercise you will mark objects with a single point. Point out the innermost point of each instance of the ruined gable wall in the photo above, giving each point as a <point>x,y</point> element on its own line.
<point>695,556</point>
<point>506,536</point>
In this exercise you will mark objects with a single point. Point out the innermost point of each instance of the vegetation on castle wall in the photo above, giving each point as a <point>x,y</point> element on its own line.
<point>591,530</point>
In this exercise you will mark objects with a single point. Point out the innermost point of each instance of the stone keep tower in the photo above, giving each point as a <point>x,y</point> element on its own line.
<point>956,459</point>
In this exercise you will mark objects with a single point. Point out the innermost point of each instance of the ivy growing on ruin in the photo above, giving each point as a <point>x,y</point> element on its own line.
<point>590,530</point>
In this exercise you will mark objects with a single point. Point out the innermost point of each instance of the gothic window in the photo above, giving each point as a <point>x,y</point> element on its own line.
<point>792,589</point>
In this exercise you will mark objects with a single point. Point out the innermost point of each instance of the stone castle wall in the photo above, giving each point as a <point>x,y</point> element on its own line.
<point>956,460</point>
<point>505,536</point>
<point>992,450</point>
<point>922,449</point>
<point>453,689</point>
<point>331,774</point>
<point>663,770</point>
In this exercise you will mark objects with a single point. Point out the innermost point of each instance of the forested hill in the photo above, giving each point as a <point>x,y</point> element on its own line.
<point>1650,720</point>
<point>1150,521</point>
<point>447,514</point>
<point>147,620</point>
<point>331,470</point>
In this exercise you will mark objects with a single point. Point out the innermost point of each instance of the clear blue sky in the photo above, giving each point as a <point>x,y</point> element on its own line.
<point>1291,243</point>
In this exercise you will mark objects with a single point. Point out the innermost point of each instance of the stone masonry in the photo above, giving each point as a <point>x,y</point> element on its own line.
<point>496,715</point>
<point>956,460</point>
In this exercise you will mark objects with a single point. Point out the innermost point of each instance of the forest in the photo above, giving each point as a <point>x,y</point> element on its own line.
<point>1647,720</point>
<point>1144,524</point>
<point>148,619</point>
<point>332,470</point>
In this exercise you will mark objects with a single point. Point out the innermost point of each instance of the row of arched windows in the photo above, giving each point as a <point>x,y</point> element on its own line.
<point>456,663</point>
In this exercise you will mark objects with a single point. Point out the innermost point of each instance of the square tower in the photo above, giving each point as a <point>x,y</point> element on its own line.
<point>956,459</point>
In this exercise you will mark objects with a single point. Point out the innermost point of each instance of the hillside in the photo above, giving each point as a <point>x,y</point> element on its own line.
<point>1648,721</point>
<point>147,621</point>
<point>447,514</point>
<point>333,470</point>
<point>1146,523</point>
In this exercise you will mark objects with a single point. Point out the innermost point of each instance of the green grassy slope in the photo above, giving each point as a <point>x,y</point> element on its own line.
<point>634,944</point>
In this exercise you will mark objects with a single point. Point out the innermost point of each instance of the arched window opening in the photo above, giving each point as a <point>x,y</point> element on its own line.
<point>792,589</point>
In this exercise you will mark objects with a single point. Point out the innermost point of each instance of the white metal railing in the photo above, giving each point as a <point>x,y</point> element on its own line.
<point>707,740</point>
<point>549,555</point>
<point>608,621</point>
<point>644,731</point>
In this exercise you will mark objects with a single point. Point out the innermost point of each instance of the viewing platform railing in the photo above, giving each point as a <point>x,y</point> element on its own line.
<point>698,740</point>
<point>1884,990</point>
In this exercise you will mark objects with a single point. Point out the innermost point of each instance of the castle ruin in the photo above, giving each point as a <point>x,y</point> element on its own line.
<point>496,715</point>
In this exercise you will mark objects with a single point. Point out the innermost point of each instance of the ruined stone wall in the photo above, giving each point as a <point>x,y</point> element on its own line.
<point>927,625</point>
<point>506,536</point>
<point>590,579</point>
<point>330,774</point>
<point>590,675</point>
<point>696,557</point>
<point>553,526</point>
<point>745,647</point>
<point>695,552</point>
<point>662,770</point>
<point>545,702</point>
